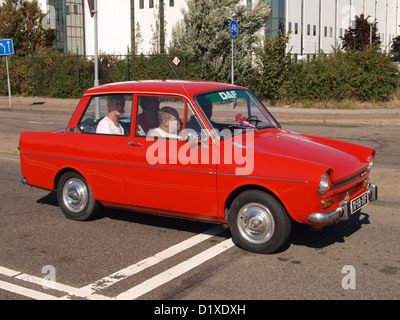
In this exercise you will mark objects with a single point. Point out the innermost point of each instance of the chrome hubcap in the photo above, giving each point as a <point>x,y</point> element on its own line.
<point>256,223</point>
<point>75,195</point>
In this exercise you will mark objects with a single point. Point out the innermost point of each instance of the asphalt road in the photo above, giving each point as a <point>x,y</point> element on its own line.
<point>125,255</point>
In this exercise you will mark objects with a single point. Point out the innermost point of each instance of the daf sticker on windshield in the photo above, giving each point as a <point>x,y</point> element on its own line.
<point>228,95</point>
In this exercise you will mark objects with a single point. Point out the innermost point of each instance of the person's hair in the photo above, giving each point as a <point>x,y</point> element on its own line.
<point>115,97</point>
<point>144,100</point>
<point>165,113</point>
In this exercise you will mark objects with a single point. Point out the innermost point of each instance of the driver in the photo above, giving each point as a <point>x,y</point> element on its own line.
<point>207,108</point>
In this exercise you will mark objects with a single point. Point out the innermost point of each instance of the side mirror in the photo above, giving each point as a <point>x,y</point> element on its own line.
<point>192,136</point>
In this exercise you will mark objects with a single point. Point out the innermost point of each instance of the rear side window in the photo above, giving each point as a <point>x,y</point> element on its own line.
<point>100,107</point>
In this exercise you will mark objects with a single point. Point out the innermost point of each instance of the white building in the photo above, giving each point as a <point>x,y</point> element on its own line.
<point>315,25</point>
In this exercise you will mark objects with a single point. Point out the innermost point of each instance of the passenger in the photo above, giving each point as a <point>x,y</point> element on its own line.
<point>170,124</point>
<point>148,119</point>
<point>110,123</point>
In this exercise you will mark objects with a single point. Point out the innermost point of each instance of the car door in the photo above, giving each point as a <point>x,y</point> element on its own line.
<point>99,156</point>
<point>167,174</point>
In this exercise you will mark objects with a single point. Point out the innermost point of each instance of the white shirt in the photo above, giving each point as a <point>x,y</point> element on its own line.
<point>106,126</point>
<point>158,132</point>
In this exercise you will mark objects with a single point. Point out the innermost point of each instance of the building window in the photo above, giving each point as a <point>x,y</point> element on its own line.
<point>151,4</point>
<point>290,27</point>
<point>171,3</point>
<point>314,30</point>
<point>296,28</point>
<point>308,30</point>
<point>70,31</point>
<point>331,32</point>
<point>325,31</point>
<point>141,4</point>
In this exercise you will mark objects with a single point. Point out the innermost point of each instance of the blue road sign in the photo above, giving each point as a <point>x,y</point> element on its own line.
<point>233,28</point>
<point>6,47</point>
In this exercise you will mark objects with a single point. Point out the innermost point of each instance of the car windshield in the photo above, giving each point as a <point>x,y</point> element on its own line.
<point>235,109</point>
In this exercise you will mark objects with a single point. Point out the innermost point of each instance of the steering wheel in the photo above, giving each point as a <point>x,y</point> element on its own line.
<point>252,118</point>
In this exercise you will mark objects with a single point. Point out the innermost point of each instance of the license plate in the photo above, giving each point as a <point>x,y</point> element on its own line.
<point>359,202</point>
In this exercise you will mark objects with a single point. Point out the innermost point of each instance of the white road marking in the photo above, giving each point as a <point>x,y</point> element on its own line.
<point>90,291</point>
<point>148,262</point>
<point>26,292</point>
<point>8,272</point>
<point>176,271</point>
<point>37,280</point>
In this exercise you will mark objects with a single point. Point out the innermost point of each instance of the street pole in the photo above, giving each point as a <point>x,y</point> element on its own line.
<point>233,69</point>
<point>8,83</point>
<point>96,45</point>
<point>370,35</point>
<point>371,21</point>
<point>233,30</point>
<point>96,58</point>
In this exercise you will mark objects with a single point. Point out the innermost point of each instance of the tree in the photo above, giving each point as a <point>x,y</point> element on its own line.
<point>395,52</point>
<point>358,38</point>
<point>203,34</point>
<point>272,66</point>
<point>21,20</point>
<point>159,30</point>
<point>137,40</point>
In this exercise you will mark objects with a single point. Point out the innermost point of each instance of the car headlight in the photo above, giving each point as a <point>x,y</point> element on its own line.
<point>371,162</point>
<point>324,184</point>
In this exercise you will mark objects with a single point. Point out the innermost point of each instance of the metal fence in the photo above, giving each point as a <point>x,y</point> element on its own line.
<point>67,76</point>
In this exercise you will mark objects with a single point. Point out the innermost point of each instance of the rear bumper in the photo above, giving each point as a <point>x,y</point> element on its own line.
<point>343,211</point>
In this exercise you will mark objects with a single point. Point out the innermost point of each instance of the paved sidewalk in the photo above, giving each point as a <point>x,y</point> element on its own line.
<point>38,102</point>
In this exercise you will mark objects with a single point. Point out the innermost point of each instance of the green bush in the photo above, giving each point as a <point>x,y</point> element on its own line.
<point>271,67</point>
<point>366,75</point>
<point>63,76</point>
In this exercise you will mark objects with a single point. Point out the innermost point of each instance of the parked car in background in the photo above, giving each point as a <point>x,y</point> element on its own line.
<point>199,150</point>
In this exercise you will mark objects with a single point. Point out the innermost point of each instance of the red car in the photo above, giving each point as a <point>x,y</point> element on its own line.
<point>199,150</point>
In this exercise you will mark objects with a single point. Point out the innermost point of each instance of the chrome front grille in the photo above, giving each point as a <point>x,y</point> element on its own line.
<point>337,198</point>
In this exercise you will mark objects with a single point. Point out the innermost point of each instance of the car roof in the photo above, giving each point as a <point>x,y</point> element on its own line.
<point>186,87</point>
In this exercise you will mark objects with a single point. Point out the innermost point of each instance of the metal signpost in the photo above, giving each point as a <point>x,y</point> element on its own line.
<point>233,30</point>
<point>6,49</point>
<point>93,13</point>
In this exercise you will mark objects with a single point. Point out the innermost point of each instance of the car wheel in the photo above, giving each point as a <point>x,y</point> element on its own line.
<point>258,222</point>
<point>75,197</point>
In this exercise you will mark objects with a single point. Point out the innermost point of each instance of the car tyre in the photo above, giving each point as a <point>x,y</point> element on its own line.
<point>75,197</point>
<point>258,222</point>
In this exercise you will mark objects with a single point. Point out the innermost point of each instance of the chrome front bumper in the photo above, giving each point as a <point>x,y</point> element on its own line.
<point>343,212</point>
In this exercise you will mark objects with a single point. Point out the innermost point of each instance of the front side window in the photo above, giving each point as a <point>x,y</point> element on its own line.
<point>107,114</point>
<point>235,109</point>
<point>164,117</point>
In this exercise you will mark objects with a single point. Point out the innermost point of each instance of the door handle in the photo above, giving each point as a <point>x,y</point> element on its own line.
<point>134,144</point>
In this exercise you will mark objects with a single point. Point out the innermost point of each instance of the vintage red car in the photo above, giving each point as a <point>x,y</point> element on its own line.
<point>199,150</point>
